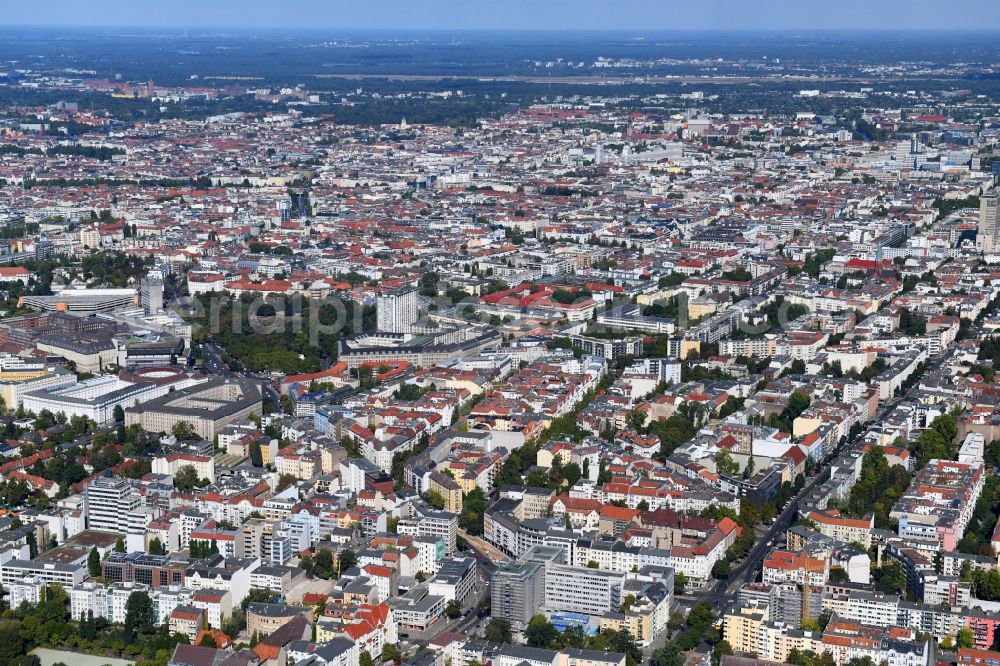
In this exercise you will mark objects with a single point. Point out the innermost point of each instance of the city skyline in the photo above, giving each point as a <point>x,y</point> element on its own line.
<point>633,15</point>
<point>463,334</point>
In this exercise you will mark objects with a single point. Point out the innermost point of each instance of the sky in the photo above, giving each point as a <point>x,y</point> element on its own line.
<point>639,15</point>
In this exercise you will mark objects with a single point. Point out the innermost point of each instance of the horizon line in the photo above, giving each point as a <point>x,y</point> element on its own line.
<point>373,29</point>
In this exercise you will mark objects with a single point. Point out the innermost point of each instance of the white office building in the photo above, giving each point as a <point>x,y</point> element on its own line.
<point>397,311</point>
<point>25,590</point>
<point>66,575</point>
<point>582,590</point>
<point>107,503</point>
<point>989,223</point>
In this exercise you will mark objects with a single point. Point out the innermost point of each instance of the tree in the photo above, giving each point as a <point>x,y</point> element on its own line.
<point>285,481</point>
<point>604,474</point>
<point>798,402</point>
<point>183,431</point>
<point>409,392</point>
<point>912,324</point>
<point>87,628</point>
<point>635,419</point>
<point>200,549</point>
<point>119,414</point>
<point>235,623</point>
<point>608,640</point>
<point>498,631</point>
<point>985,584</point>
<point>453,609</point>
<point>435,499</point>
<point>52,607</point>
<point>721,568</point>
<point>256,457</point>
<point>571,473</point>
<point>725,464</point>
<point>208,640</point>
<point>139,615</point>
<point>930,445</point>
<point>94,563</point>
<point>473,510</point>
<point>11,641</point>
<point>536,479</point>
<point>992,455</point>
<point>347,559</point>
<point>965,638</point>
<point>156,546</point>
<point>890,579</point>
<point>306,564</point>
<point>669,655</point>
<point>186,478</point>
<point>721,649</point>
<point>322,565</point>
<point>877,488</point>
<point>838,575</point>
<point>365,659</point>
<point>965,572</point>
<point>540,632</point>
<point>120,545</point>
<point>390,652</point>
<point>366,379</point>
<point>680,582</point>
<point>938,441</point>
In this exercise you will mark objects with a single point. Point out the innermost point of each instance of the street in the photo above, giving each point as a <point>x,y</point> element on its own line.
<point>720,593</point>
<point>469,621</point>
<point>214,364</point>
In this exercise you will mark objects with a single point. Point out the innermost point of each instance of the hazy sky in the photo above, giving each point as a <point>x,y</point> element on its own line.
<point>513,14</point>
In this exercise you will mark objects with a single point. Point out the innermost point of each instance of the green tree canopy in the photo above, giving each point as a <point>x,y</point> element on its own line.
<point>498,631</point>
<point>540,632</point>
